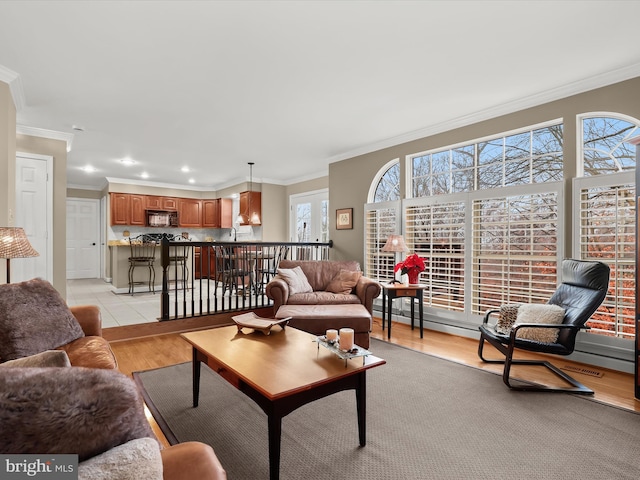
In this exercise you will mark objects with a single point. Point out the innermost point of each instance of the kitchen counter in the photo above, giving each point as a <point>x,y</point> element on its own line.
<point>119,258</point>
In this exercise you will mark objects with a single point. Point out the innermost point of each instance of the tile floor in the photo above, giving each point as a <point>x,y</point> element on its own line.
<point>117,310</point>
<point>124,309</point>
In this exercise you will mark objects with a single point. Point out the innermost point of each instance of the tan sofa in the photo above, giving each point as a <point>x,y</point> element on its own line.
<point>318,310</point>
<point>319,274</point>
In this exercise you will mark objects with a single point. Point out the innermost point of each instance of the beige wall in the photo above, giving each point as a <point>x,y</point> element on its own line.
<point>350,179</point>
<point>58,150</point>
<point>7,163</point>
<point>274,213</point>
<point>81,193</point>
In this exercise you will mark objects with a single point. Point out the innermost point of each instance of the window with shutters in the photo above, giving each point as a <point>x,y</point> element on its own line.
<point>381,220</point>
<point>515,249</point>
<point>605,201</point>
<point>435,231</point>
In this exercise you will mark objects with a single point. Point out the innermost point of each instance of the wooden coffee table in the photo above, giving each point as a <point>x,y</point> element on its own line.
<point>280,372</point>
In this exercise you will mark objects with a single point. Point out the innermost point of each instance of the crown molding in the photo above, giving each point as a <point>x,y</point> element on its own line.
<point>147,183</point>
<point>15,86</point>
<point>43,133</point>
<point>574,88</point>
<point>85,187</point>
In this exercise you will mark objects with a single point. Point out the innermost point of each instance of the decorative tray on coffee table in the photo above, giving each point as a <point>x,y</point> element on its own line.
<point>334,347</point>
<point>251,320</point>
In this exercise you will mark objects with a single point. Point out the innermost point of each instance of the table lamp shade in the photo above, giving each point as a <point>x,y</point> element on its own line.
<point>14,244</point>
<point>395,243</point>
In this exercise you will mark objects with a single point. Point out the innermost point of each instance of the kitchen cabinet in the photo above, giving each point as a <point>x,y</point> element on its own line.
<point>250,206</point>
<point>131,209</point>
<point>206,267</point>
<point>217,213</point>
<point>120,208</point>
<point>137,210</point>
<point>127,209</point>
<point>190,213</point>
<point>153,202</point>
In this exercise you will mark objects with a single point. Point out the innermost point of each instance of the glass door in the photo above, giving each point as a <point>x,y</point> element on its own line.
<point>309,217</point>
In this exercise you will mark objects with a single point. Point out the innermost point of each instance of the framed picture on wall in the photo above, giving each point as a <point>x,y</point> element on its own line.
<point>344,218</point>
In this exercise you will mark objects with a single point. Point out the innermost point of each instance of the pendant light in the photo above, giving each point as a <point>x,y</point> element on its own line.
<point>252,217</point>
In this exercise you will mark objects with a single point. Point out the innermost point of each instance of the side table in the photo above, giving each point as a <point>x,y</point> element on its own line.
<point>399,290</point>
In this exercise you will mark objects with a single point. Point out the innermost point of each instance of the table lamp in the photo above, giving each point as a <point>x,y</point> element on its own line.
<point>14,244</point>
<point>395,244</point>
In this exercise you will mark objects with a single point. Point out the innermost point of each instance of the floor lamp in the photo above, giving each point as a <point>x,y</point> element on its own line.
<point>14,244</point>
<point>395,244</point>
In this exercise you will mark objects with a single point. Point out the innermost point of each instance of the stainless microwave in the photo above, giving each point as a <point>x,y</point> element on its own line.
<point>162,218</point>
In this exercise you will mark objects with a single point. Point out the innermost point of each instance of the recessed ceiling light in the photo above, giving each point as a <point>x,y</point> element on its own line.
<point>88,169</point>
<point>144,175</point>
<point>185,169</point>
<point>191,180</point>
<point>127,161</point>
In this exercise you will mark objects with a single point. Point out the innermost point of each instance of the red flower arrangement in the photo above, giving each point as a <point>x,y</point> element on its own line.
<point>411,266</point>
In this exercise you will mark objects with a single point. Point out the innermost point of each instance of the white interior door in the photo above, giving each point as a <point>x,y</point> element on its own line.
<point>309,217</point>
<point>34,213</point>
<point>83,238</point>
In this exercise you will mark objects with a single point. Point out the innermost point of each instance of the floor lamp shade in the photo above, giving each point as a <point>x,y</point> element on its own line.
<point>14,244</point>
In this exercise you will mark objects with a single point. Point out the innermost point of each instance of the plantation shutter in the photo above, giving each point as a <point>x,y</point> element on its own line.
<point>435,231</point>
<point>381,220</point>
<point>608,234</point>
<point>515,249</point>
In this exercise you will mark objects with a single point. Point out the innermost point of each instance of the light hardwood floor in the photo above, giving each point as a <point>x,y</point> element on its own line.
<point>614,388</point>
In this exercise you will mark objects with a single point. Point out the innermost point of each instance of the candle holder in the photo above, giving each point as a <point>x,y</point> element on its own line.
<point>334,347</point>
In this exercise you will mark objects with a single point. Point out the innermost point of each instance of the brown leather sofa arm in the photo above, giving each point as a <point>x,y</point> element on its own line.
<point>278,291</point>
<point>367,290</point>
<point>89,318</point>
<point>191,460</point>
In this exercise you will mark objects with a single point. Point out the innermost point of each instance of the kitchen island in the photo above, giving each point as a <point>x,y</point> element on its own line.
<point>120,251</point>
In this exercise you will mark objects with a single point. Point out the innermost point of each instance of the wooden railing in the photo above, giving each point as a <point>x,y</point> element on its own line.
<point>204,278</point>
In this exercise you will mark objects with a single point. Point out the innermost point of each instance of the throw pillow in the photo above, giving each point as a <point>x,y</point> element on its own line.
<point>49,358</point>
<point>34,318</point>
<point>296,279</point>
<point>344,281</point>
<point>539,313</point>
<point>136,459</point>
<point>508,315</point>
<point>79,410</point>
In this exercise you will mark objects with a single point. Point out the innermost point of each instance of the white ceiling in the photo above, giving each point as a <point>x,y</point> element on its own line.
<point>291,85</point>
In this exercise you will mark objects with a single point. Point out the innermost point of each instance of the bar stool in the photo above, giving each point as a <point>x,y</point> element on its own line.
<point>143,254</point>
<point>178,257</point>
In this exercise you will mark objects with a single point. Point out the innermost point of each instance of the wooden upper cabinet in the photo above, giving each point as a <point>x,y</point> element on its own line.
<point>120,208</point>
<point>169,203</point>
<point>217,213</point>
<point>189,213</point>
<point>226,213</point>
<point>250,201</point>
<point>137,210</point>
<point>153,202</point>
<point>210,217</point>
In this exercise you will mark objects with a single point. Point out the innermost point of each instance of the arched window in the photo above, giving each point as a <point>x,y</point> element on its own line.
<point>388,187</point>
<point>605,195</point>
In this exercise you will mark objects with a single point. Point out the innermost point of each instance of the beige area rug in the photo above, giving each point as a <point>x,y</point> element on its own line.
<point>427,418</point>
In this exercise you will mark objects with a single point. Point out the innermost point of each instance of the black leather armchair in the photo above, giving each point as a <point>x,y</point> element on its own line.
<point>583,289</point>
